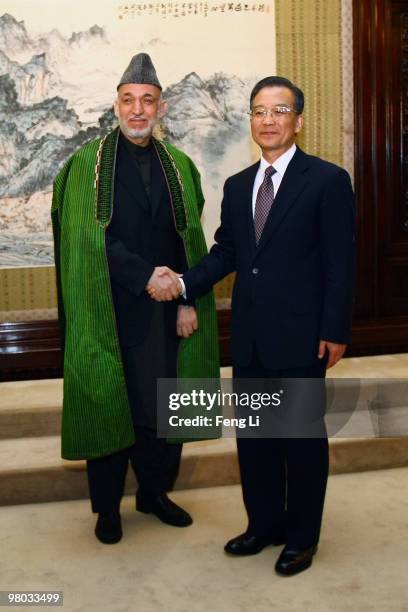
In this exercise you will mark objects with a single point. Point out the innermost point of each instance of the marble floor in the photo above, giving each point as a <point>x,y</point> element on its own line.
<point>375,366</point>
<point>361,564</point>
<point>48,393</point>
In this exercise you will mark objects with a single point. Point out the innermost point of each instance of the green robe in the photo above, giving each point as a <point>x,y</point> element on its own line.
<point>96,418</point>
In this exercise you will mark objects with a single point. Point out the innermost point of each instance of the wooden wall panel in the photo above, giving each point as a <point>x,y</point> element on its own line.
<point>381,171</point>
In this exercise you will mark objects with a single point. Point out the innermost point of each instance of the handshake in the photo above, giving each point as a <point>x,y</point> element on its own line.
<point>164,285</point>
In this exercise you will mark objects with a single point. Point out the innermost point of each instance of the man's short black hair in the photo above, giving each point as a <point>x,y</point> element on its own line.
<point>276,81</point>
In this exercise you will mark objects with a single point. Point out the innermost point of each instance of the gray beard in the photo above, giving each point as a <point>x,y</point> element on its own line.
<point>133,133</point>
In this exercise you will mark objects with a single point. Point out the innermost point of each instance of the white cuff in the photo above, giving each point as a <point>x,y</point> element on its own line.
<point>183,288</point>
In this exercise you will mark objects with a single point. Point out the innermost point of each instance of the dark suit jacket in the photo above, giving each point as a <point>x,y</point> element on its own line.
<point>295,287</point>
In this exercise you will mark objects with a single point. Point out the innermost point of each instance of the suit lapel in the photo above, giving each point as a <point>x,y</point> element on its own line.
<point>293,183</point>
<point>247,192</point>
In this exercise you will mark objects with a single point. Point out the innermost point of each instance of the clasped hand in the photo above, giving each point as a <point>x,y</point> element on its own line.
<point>164,285</point>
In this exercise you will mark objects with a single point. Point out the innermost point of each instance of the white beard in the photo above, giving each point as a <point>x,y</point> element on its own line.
<point>134,133</point>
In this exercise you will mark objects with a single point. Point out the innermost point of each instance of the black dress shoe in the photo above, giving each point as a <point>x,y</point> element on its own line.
<point>108,528</point>
<point>165,509</point>
<point>246,544</point>
<point>294,560</point>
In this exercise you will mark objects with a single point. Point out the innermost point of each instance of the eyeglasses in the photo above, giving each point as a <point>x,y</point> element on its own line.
<point>277,111</point>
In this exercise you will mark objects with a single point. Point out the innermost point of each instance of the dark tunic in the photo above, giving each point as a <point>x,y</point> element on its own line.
<point>140,237</point>
<point>96,418</point>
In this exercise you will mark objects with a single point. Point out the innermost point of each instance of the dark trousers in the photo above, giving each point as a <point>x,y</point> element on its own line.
<point>155,463</point>
<point>284,479</point>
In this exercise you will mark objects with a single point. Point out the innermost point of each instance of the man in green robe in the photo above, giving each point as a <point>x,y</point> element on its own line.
<point>126,209</point>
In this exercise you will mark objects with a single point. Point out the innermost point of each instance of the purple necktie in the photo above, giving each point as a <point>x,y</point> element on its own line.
<point>264,201</point>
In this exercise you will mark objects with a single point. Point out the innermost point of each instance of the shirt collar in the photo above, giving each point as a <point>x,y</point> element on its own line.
<point>281,163</point>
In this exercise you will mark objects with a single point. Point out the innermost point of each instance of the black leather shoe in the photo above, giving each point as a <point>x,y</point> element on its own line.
<point>294,560</point>
<point>108,528</point>
<point>246,544</point>
<point>165,509</point>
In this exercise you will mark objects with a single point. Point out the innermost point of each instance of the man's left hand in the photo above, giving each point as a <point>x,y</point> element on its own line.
<point>336,351</point>
<point>187,321</point>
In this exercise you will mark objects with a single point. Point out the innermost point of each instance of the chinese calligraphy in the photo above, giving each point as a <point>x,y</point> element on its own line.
<point>185,9</point>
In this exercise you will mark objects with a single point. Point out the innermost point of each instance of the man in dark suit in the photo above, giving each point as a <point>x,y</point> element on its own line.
<point>287,230</point>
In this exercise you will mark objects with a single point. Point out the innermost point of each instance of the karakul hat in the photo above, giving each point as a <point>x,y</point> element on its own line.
<point>140,70</point>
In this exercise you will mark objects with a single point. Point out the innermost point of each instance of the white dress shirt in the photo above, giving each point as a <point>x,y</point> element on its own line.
<point>280,166</point>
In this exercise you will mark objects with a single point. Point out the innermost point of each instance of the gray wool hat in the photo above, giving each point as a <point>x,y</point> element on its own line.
<point>140,70</point>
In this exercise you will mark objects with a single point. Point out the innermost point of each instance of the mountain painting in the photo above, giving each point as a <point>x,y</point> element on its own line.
<point>56,94</point>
